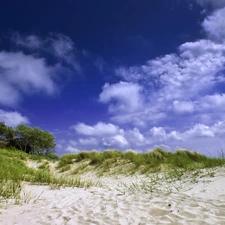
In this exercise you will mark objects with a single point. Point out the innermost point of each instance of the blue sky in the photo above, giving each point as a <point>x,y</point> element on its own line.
<point>116,74</point>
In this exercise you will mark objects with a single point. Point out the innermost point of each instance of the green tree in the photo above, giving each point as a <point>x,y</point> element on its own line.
<point>35,140</point>
<point>2,130</point>
<point>6,132</point>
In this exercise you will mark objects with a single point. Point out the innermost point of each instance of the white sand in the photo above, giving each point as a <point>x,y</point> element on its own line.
<point>120,202</point>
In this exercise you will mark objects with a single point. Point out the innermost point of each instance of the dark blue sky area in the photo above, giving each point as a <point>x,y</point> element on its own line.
<point>122,32</point>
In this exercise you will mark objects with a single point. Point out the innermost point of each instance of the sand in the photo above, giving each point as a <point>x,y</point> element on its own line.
<point>125,200</point>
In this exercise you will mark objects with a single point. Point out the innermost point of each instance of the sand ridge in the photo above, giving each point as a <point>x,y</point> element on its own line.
<point>116,203</point>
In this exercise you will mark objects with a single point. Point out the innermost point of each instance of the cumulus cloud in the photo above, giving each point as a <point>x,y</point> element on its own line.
<point>214,25</point>
<point>196,131</point>
<point>28,73</point>
<point>183,106</point>
<point>200,137</point>
<point>108,135</point>
<point>177,82</point>
<point>88,141</point>
<point>72,149</point>
<point>142,118</point>
<point>20,73</point>
<point>122,97</point>
<point>216,100</point>
<point>135,137</point>
<point>199,130</point>
<point>158,131</point>
<point>115,141</point>
<point>12,119</point>
<point>99,129</point>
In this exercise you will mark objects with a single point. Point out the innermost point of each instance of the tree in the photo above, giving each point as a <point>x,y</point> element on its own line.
<point>6,132</point>
<point>2,130</point>
<point>30,140</point>
<point>23,137</point>
<point>34,140</point>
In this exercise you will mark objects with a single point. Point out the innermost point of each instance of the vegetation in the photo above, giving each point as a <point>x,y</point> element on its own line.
<point>152,161</point>
<point>15,169</point>
<point>30,140</point>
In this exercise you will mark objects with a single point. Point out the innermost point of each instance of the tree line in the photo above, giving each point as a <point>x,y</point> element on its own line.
<point>31,140</point>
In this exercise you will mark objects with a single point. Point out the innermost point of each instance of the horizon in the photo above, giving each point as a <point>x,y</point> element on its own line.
<point>116,75</point>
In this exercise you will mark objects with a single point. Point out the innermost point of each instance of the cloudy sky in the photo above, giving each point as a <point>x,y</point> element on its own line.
<point>118,74</point>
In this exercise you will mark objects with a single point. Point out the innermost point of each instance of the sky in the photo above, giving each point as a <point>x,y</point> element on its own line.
<point>116,74</point>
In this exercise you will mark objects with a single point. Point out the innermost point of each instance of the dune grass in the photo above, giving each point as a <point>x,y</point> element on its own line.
<point>152,161</point>
<point>14,169</point>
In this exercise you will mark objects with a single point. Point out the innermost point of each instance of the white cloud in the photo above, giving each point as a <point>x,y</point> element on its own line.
<point>135,137</point>
<point>183,106</point>
<point>88,141</point>
<point>113,142</point>
<point>214,25</point>
<point>133,74</point>
<point>74,143</point>
<point>199,130</point>
<point>122,97</point>
<point>176,82</point>
<point>58,45</point>
<point>175,135</point>
<point>199,137</point>
<point>105,135</point>
<point>216,100</point>
<point>159,135</point>
<point>202,48</point>
<point>100,129</point>
<point>158,131</point>
<point>218,128</point>
<point>196,131</point>
<point>72,149</point>
<point>141,118</point>
<point>12,119</point>
<point>20,73</point>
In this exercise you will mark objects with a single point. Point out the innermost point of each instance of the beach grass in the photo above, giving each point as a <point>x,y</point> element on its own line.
<point>14,171</point>
<point>153,161</point>
<point>66,170</point>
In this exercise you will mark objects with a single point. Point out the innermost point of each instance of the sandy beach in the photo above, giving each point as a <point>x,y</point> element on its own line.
<point>125,200</point>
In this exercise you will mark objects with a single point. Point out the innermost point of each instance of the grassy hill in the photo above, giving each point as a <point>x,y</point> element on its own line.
<point>17,167</point>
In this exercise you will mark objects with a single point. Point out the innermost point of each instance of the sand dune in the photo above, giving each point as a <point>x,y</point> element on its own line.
<point>121,200</point>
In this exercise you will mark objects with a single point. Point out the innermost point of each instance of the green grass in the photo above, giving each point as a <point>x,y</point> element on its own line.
<point>14,171</point>
<point>152,161</point>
